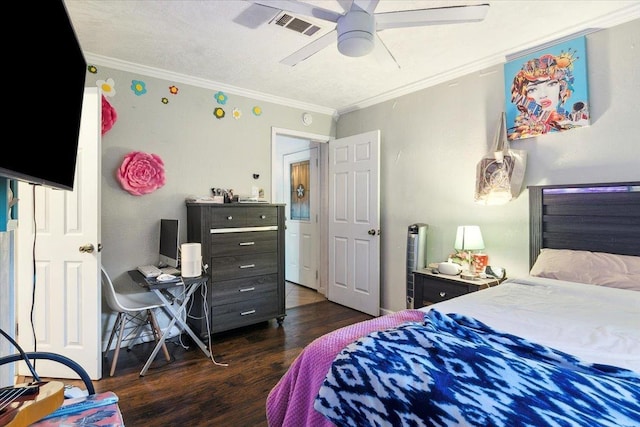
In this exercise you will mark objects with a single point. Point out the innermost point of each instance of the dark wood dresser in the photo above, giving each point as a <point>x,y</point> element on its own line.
<point>243,245</point>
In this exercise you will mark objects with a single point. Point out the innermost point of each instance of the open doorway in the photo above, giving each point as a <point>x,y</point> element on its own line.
<point>298,174</point>
<point>300,188</point>
<point>349,212</point>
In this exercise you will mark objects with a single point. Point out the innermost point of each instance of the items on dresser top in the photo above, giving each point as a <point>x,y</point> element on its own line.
<point>243,244</point>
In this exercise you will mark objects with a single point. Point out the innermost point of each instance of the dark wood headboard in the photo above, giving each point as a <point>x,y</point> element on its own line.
<point>590,217</point>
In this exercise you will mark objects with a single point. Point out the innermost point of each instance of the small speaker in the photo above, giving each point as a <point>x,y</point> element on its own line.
<point>449,268</point>
<point>191,259</point>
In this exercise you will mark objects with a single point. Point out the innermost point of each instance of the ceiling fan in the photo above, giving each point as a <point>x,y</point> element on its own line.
<point>357,27</point>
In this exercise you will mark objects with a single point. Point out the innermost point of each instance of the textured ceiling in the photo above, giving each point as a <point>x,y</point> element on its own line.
<point>231,43</point>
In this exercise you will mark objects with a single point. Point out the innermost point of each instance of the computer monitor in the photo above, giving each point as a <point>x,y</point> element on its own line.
<point>169,242</point>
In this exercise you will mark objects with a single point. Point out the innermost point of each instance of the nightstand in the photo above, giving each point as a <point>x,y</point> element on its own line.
<point>430,288</point>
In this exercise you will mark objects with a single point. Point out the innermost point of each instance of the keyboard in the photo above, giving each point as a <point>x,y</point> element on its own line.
<point>170,270</point>
<point>149,270</point>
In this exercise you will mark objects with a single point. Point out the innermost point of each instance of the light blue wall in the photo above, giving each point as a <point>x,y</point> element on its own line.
<point>433,139</point>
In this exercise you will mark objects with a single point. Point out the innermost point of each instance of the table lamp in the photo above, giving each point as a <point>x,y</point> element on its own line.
<point>468,239</point>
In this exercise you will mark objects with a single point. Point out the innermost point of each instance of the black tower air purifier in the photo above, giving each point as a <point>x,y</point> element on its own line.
<point>416,255</point>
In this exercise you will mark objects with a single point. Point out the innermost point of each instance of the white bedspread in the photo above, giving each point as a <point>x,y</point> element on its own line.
<point>595,323</point>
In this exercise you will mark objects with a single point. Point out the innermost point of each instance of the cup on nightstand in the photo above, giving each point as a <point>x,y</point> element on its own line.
<point>480,262</point>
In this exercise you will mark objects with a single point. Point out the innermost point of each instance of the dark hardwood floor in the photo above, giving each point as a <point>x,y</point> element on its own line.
<point>192,391</point>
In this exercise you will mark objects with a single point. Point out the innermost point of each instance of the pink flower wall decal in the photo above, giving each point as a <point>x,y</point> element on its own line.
<point>141,173</point>
<point>109,115</point>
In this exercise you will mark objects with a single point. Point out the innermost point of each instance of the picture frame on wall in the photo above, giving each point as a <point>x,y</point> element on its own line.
<point>546,91</point>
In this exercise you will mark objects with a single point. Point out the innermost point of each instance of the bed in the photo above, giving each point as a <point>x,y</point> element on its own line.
<point>560,346</point>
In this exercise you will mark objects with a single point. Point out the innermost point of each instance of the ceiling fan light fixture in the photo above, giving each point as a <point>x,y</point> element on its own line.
<point>356,32</point>
<point>356,44</point>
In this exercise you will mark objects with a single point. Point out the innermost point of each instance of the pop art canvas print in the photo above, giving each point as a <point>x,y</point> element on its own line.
<point>547,91</point>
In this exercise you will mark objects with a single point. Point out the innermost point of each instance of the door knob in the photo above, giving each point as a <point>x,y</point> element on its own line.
<point>372,232</point>
<point>88,248</point>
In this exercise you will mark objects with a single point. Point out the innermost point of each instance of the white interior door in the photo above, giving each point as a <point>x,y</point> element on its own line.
<point>301,192</point>
<point>354,215</point>
<point>67,297</point>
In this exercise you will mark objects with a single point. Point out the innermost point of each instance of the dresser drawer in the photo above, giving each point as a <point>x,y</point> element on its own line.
<point>238,217</point>
<point>245,312</point>
<point>435,291</point>
<point>250,242</point>
<point>227,217</point>
<point>230,267</point>
<point>232,291</point>
<point>262,216</point>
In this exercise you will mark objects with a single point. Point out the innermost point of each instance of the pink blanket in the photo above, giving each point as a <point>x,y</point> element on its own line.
<point>290,402</point>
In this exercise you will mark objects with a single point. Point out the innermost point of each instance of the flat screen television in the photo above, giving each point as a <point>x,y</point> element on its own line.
<point>169,242</point>
<point>45,105</point>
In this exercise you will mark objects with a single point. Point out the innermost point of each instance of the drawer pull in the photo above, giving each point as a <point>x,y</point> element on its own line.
<point>248,289</point>
<point>443,294</point>
<point>244,313</point>
<point>263,216</point>
<point>248,266</point>
<point>229,217</point>
<point>247,243</point>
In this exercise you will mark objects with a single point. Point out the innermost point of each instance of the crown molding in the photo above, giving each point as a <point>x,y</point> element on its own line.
<point>620,17</point>
<point>423,84</point>
<point>203,83</point>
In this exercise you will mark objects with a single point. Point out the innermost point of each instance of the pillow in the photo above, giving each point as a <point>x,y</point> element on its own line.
<point>594,268</point>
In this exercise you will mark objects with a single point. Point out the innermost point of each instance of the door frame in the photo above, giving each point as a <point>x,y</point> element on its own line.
<point>302,274</point>
<point>323,166</point>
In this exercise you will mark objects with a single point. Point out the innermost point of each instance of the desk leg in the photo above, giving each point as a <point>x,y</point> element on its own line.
<point>159,345</point>
<point>175,317</point>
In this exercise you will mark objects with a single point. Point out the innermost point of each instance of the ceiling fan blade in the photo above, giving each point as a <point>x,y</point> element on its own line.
<point>383,55</point>
<point>434,16</point>
<point>367,5</point>
<point>313,47</point>
<point>301,8</point>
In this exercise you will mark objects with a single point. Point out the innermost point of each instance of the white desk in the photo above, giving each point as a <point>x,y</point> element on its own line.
<point>191,285</point>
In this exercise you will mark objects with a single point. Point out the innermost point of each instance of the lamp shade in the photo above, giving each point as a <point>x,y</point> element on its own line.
<point>469,238</point>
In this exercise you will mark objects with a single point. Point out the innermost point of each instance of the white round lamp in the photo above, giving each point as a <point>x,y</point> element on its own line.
<point>356,30</point>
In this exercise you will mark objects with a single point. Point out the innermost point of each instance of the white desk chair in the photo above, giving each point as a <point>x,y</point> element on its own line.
<point>131,307</point>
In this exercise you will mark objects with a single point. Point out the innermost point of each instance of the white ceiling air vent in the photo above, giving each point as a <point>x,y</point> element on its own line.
<point>286,20</point>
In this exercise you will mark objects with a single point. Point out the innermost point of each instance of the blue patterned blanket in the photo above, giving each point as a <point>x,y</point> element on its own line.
<point>453,370</point>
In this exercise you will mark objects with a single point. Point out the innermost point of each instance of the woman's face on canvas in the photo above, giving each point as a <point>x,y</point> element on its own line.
<point>545,93</point>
